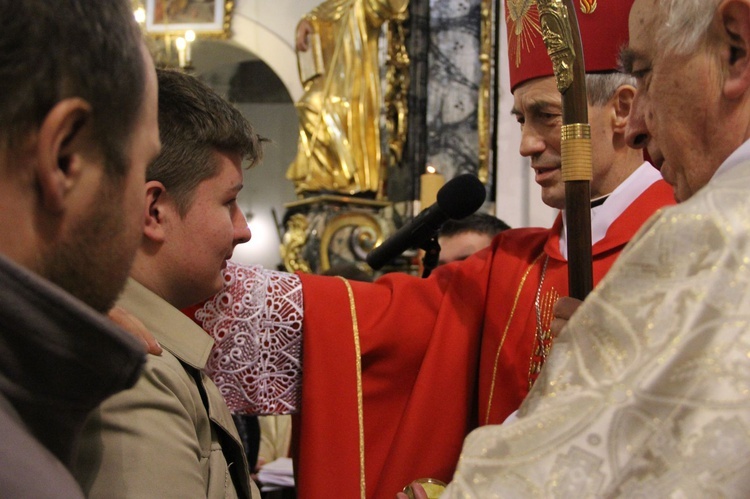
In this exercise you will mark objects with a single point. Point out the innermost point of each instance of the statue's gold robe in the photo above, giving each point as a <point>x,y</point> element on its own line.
<point>340,110</point>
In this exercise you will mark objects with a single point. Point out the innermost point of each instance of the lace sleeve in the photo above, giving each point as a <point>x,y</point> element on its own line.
<point>256,321</point>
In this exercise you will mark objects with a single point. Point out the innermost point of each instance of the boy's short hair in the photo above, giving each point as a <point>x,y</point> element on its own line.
<point>194,122</point>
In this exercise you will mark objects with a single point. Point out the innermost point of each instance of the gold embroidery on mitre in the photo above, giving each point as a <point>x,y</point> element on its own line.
<point>588,6</point>
<point>523,26</point>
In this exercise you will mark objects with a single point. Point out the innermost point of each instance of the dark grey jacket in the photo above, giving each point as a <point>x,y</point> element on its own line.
<point>58,360</point>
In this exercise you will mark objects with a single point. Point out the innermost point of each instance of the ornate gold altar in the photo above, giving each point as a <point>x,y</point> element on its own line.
<point>330,230</point>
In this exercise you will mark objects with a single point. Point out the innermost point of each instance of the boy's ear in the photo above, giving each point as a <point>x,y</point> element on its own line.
<point>622,104</point>
<point>156,211</point>
<point>63,142</point>
<point>734,16</point>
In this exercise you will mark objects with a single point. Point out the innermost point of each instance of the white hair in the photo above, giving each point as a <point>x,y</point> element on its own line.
<point>686,24</point>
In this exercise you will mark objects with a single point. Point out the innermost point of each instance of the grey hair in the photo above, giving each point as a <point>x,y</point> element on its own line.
<point>600,87</point>
<point>686,24</point>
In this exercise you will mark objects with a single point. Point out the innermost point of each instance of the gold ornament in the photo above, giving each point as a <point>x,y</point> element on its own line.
<point>293,242</point>
<point>588,6</point>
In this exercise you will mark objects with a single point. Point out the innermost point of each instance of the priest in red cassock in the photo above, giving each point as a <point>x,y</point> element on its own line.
<point>394,374</point>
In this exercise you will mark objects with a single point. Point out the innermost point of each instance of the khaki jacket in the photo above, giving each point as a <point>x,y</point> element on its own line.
<point>172,434</point>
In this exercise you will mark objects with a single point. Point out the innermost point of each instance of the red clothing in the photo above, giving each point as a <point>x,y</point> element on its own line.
<point>423,361</point>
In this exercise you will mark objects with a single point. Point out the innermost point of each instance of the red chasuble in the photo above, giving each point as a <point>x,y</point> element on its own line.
<point>389,392</point>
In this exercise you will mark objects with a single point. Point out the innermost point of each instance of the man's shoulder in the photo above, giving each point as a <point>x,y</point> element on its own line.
<point>164,376</point>
<point>160,423</point>
<point>176,332</point>
<point>165,382</point>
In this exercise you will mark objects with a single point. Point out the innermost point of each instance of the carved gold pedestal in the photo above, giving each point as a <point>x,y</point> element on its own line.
<point>329,230</point>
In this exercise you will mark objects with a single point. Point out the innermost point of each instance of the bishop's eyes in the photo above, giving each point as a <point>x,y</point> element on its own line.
<point>548,117</point>
<point>540,118</point>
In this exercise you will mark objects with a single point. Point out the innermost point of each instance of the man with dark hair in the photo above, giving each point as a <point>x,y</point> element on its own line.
<point>459,239</point>
<point>172,434</point>
<point>78,126</point>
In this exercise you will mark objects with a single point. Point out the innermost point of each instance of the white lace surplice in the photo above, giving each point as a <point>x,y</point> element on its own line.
<point>256,322</point>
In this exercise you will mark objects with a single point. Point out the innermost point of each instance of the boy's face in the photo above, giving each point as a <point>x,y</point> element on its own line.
<point>203,240</point>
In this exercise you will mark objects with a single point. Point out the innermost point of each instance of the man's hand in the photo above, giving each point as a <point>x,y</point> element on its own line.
<point>132,325</point>
<point>563,311</point>
<point>304,29</point>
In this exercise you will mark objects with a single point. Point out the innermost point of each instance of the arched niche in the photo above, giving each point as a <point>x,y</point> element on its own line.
<point>271,48</point>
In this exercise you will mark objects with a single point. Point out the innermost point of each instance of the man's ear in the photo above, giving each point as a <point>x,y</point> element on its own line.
<point>734,16</point>
<point>157,211</point>
<point>622,104</point>
<point>63,141</point>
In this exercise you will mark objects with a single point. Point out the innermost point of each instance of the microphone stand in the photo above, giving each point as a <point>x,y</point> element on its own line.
<point>431,256</point>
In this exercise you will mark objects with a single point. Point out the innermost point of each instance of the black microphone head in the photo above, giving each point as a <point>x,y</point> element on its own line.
<point>461,196</point>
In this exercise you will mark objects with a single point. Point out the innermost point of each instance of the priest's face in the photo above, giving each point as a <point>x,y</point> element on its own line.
<point>676,112</point>
<point>537,106</point>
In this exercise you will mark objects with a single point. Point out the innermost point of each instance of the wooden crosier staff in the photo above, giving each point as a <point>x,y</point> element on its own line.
<point>563,40</point>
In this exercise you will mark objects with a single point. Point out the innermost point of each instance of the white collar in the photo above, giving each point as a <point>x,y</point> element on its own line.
<point>604,215</point>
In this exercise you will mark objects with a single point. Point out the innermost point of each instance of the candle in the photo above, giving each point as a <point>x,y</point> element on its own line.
<point>180,43</point>
<point>430,183</point>
<point>189,39</point>
<point>140,15</point>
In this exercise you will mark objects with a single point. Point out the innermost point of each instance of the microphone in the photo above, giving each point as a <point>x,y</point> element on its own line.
<point>458,198</point>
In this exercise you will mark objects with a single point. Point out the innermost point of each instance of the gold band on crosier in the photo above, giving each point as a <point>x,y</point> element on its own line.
<point>576,152</point>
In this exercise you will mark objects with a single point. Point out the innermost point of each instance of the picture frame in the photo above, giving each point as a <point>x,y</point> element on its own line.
<point>204,17</point>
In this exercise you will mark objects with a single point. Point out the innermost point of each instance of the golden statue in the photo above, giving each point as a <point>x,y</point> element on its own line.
<point>339,112</point>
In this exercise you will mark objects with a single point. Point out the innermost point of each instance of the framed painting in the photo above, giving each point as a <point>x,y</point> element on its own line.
<point>207,17</point>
